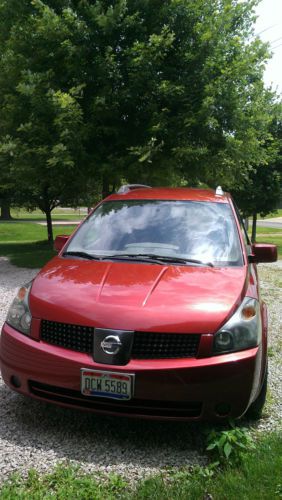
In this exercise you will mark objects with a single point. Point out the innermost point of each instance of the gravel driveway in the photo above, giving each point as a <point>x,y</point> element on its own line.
<point>38,435</point>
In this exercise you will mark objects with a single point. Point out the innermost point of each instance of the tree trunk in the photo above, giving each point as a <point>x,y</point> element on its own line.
<point>49,225</point>
<point>254,228</point>
<point>5,211</point>
<point>105,187</point>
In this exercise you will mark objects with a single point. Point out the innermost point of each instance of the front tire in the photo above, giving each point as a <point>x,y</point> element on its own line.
<point>254,411</point>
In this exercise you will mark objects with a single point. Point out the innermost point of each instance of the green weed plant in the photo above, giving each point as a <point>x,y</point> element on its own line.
<point>228,447</point>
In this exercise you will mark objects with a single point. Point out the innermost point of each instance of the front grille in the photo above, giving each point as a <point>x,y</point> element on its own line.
<point>146,345</point>
<point>74,337</point>
<point>149,345</point>
<point>141,407</point>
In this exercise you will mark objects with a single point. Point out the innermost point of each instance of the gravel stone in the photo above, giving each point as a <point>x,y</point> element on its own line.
<point>39,435</point>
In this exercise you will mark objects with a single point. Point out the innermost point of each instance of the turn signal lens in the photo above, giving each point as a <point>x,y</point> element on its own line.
<point>248,312</point>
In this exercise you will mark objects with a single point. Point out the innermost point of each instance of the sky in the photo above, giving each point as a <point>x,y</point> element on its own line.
<point>269,27</point>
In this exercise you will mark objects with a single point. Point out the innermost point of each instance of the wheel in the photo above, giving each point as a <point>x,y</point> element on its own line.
<point>255,410</point>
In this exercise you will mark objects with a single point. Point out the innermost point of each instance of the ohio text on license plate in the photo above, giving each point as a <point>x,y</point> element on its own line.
<point>112,385</point>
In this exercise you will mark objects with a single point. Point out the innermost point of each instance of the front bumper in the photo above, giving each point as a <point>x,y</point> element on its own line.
<point>178,389</point>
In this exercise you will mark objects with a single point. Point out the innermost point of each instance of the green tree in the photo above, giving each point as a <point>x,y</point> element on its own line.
<point>40,140</point>
<point>6,183</point>
<point>259,191</point>
<point>152,91</point>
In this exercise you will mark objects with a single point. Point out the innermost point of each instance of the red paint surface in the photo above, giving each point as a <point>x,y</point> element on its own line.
<point>134,296</point>
<point>172,194</point>
<point>230,378</point>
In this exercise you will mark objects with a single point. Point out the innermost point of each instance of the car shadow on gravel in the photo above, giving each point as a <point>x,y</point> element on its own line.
<point>104,441</point>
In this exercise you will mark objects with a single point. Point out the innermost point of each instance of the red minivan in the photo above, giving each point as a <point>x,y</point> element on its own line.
<point>151,309</point>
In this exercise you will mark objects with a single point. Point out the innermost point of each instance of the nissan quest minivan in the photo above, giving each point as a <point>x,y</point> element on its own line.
<point>150,309</point>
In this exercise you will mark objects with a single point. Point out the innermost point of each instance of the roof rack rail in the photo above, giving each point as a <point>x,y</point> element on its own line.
<point>126,188</point>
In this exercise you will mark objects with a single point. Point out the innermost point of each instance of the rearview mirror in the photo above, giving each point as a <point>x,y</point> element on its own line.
<point>60,242</point>
<point>263,252</point>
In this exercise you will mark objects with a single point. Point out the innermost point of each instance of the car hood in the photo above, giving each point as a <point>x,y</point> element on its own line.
<point>137,296</point>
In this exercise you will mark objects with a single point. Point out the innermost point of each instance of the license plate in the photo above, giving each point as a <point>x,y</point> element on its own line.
<point>112,385</point>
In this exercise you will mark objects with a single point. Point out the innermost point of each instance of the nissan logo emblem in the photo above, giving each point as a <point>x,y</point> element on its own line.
<point>111,344</point>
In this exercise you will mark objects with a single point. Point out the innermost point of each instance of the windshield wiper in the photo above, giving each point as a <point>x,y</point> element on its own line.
<point>145,257</point>
<point>130,256</point>
<point>180,260</point>
<point>81,254</point>
<point>158,259</point>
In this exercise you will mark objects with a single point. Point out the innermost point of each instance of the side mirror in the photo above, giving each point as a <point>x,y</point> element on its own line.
<point>60,242</point>
<point>263,252</point>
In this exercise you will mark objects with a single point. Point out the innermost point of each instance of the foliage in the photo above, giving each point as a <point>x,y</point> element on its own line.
<point>40,121</point>
<point>259,191</point>
<point>276,213</point>
<point>228,447</point>
<point>7,184</point>
<point>63,482</point>
<point>258,476</point>
<point>278,491</point>
<point>160,91</point>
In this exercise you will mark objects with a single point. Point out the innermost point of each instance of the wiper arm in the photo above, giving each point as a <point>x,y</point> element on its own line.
<point>180,260</point>
<point>130,256</point>
<point>145,257</point>
<point>154,258</point>
<point>82,254</point>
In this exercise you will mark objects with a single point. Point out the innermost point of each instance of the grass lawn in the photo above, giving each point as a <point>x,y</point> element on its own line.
<point>25,243</point>
<point>267,230</point>
<point>257,477</point>
<point>57,214</point>
<point>28,231</point>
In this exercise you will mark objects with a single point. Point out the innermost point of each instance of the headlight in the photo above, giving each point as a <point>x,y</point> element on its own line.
<point>19,315</point>
<point>242,330</point>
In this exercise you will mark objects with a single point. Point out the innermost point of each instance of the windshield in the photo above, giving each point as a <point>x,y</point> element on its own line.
<point>181,229</point>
